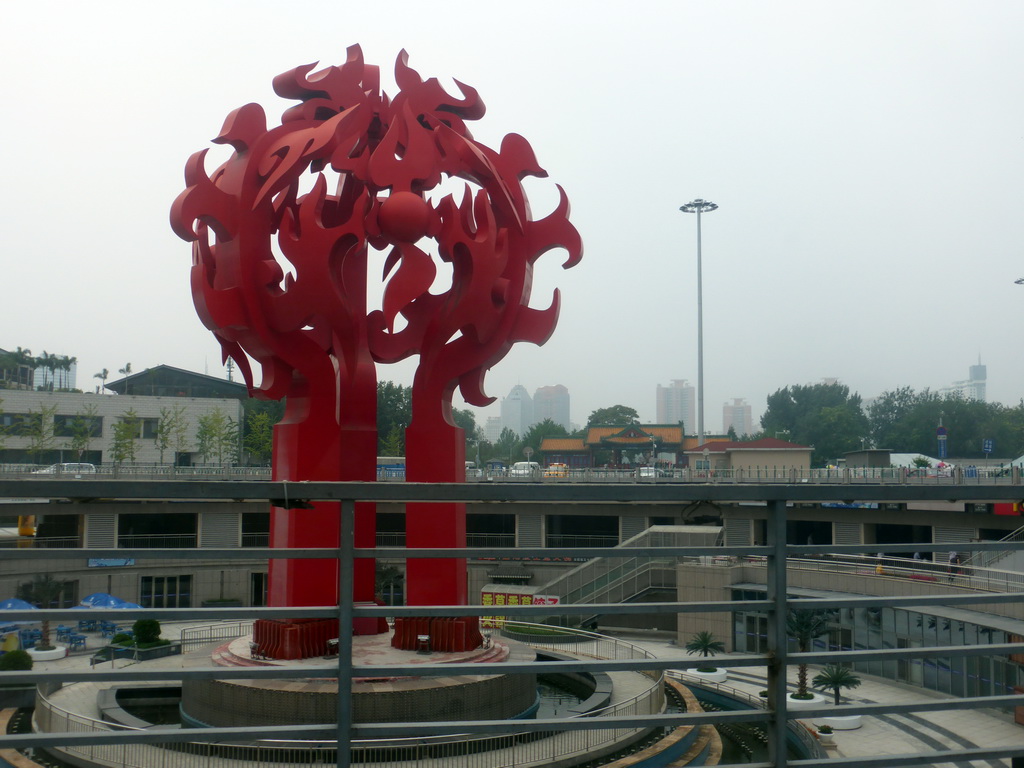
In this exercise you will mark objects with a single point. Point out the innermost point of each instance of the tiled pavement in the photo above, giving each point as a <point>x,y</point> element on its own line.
<point>887,734</point>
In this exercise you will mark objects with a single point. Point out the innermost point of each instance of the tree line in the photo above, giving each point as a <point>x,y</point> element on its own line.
<point>835,421</point>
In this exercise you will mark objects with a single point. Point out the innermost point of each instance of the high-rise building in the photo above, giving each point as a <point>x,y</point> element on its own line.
<point>517,410</point>
<point>974,387</point>
<point>492,429</point>
<point>676,404</point>
<point>551,403</point>
<point>736,415</point>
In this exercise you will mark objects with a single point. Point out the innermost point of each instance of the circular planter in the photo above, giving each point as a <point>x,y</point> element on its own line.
<point>57,653</point>
<point>718,676</point>
<point>826,738</point>
<point>843,723</point>
<point>816,700</point>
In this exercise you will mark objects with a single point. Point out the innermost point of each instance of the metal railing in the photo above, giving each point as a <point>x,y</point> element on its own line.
<point>766,474</point>
<point>74,732</point>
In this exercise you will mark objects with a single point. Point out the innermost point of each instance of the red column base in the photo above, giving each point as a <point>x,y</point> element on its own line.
<point>306,638</point>
<point>447,634</point>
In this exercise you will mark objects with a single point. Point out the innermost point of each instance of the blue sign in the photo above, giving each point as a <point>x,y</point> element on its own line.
<point>988,446</point>
<point>110,562</point>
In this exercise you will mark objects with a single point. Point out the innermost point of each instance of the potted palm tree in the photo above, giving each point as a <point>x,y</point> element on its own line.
<point>43,591</point>
<point>805,625</point>
<point>836,677</point>
<point>707,646</point>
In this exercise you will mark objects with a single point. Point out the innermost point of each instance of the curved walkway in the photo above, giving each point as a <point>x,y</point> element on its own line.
<point>889,734</point>
<point>881,734</point>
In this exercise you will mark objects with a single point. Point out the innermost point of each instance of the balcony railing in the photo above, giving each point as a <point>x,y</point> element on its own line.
<point>75,733</point>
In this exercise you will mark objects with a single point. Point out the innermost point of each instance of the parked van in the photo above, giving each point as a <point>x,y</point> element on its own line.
<point>73,470</point>
<point>525,469</point>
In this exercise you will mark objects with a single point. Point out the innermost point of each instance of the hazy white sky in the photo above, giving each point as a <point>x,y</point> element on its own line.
<point>867,158</point>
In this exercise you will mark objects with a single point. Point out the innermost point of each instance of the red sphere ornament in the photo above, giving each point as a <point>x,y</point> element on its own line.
<point>404,217</point>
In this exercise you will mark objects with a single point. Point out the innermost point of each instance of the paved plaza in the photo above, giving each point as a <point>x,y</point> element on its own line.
<point>882,734</point>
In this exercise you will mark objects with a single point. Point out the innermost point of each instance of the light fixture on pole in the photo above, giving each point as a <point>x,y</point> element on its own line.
<point>699,206</point>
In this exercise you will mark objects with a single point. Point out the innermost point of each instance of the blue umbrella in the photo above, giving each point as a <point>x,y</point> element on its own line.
<point>14,604</point>
<point>126,605</point>
<point>101,600</point>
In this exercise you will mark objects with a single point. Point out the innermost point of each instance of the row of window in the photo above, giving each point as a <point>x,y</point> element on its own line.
<point>886,627</point>
<point>27,424</point>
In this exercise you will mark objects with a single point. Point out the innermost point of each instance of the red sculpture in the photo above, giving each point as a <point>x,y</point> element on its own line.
<point>300,309</point>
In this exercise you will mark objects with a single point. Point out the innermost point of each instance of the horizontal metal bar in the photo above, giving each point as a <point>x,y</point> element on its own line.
<point>624,493</point>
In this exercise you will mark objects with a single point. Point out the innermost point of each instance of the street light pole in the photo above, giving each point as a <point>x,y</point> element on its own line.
<point>699,206</point>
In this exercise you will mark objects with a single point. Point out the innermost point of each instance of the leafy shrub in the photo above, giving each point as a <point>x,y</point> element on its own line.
<point>121,638</point>
<point>146,631</point>
<point>16,661</point>
<point>824,729</point>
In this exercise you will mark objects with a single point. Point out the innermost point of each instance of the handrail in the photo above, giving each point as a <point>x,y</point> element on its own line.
<point>649,701</point>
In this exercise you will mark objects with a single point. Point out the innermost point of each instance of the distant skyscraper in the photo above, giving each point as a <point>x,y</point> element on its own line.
<point>737,416</point>
<point>551,403</point>
<point>974,387</point>
<point>517,410</point>
<point>492,429</point>
<point>676,404</point>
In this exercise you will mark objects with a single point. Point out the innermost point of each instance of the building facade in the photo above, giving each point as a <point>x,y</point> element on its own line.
<point>552,403</point>
<point>736,416</point>
<point>67,414</point>
<point>676,404</point>
<point>517,410</point>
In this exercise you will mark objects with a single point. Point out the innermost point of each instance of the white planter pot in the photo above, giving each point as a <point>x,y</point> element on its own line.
<point>57,653</point>
<point>826,738</point>
<point>816,700</point>
<point>842,723</point>
<point>718,676</point>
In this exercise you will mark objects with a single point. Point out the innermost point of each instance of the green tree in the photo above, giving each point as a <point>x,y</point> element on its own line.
<point>102,376</point>
<point>805,625</point>
<point>836,676</point>
<point>393,444</point>
<point>39,431</point>
<point>217,438</point>
<point>259,437</point>
<point>394,413</point>
<point>507,446</point>
<point>259,418</point>
<point>615,415</point>
<point>825,416</point>
<point>83,428</point>
<point>705,645</point>
<point>43,591</point>
<point>535,435</point>
<point>125,433</point>
<point>170,424</point>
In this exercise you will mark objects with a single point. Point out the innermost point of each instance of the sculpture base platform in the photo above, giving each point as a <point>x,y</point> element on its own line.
<point>305,700</point>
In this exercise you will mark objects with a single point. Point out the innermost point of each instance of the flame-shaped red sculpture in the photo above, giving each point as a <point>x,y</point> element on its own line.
<point>300,310</point>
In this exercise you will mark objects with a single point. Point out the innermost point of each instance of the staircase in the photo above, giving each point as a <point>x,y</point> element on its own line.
<point>618,579</point>
<point>1008,559</point>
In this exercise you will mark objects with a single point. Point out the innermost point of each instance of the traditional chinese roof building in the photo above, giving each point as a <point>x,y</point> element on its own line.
<point>622,446</point>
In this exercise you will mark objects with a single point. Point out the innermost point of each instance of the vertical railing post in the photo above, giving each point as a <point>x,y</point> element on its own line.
<point>777,650</point>
<point>346,573</point>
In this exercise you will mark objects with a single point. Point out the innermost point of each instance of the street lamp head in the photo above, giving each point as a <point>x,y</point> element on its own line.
<point>1019,281</point>
<point>698,206</point>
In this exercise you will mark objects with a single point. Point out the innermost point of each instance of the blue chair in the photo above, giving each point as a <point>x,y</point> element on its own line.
<point>87,625</point>
<point>76,641</point>
<point>63,632</point>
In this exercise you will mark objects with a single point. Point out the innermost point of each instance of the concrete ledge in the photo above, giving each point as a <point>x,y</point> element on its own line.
<point>841,723</point>
<point>57,653</point>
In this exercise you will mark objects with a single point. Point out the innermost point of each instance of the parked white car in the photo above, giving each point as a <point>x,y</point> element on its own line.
<point>72,470</point>
<point>525,469</point>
